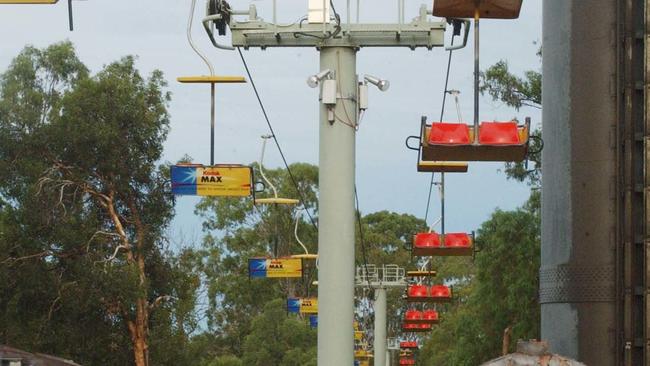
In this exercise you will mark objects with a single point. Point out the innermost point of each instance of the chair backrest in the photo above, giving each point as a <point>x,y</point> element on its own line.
<point>499,133</point>
<point>444,133</point>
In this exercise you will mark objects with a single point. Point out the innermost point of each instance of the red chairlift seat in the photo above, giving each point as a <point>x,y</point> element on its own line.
<point>421,317</point>
<point>440,293</point>
<point>434,244</point>
<point>407,361</point>
<point>430,317</point>
<point>417,293</point>
<point>449,134</point>
<point>497,141</point>
<point>413,317</point>
<point>408,345</point>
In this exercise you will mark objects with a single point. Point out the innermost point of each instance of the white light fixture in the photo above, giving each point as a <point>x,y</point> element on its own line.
<point>381,84</point>
<point>314,80</point>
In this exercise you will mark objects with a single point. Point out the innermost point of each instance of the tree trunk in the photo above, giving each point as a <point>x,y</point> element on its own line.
<point>139,330</point>
<point>505,346</point>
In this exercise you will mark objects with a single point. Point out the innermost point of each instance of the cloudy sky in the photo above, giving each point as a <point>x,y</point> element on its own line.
<point>154,30</point>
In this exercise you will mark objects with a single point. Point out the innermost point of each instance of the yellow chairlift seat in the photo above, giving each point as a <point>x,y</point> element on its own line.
<point>497,141</point>
<point>494,9</point>
<point>276,201</point>
<point>211,79</point>
<point>305,256</point>
<point>421,273</point>
<point>442,167</point>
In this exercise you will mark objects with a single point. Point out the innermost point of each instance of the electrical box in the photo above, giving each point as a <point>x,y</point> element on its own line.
<point>319,11</point>
<point>328,93</point>
<point>363,97</point>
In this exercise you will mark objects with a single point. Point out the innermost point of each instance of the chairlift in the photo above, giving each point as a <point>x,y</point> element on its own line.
<point>275,200</point>
<point>421,317</point>
<point>230,180</point>
<point>442,244</point>
<point>408,345</point>
<point>421,293</point>
<point>447,245</point>
<point>485,141</point>
<point>495,141</point>
<point>407,361</point>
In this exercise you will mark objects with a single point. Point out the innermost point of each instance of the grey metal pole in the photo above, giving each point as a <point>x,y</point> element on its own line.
<point>212,117</point>
<point>336,220</point>
<point>442,203</point>
<point>477,51</point>
<point>579,215</point>
<point>379,346</point>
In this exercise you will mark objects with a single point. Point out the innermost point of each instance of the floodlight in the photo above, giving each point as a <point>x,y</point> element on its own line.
<point>314,80</point>
<point>381,84</point>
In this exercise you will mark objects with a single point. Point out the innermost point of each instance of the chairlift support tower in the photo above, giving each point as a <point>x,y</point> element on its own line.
<point>380,279</point>
<point>336,235</point>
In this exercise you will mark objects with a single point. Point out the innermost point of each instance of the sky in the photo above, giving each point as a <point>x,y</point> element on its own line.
<point>155,31</point>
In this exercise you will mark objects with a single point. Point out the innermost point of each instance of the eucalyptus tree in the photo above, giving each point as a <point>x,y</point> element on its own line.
<point>79,157</point>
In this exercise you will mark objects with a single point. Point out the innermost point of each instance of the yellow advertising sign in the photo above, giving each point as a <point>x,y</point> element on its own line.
<point>224,181</point>
<point>309,306</point>
<point>218,180</point>
<point>284,268</point>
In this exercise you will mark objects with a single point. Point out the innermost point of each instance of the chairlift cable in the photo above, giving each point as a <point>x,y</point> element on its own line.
<point>442,114</point>
<point>275,138</point>
<point>361,238</point>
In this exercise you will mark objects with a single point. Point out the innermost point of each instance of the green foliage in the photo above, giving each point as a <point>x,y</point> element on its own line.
<point>235,232</point>
<point>517,92</point>
<point>278,339</point>
<point>503,292</point>
<point>512,90</point>
<point>69,141</point>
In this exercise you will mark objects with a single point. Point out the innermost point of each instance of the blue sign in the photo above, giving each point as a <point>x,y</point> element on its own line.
<point>293,305</point>
<point>257,267</point>
<point>313,321</point>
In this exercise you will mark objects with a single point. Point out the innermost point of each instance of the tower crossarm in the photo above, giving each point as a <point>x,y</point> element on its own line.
<point>421,32</point>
